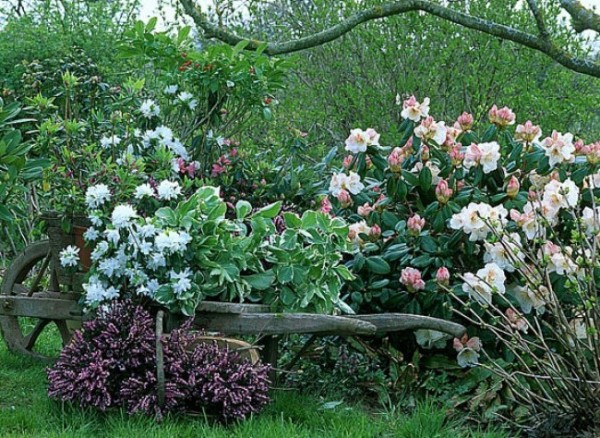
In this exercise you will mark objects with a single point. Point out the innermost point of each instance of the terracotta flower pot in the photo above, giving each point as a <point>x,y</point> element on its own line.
<point>85,252</point>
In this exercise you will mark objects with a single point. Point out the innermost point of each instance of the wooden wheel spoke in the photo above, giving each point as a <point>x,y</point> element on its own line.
<point>31,338</point>
<point>40,274</point>
<point>20,289</point>
<point>64,331</point>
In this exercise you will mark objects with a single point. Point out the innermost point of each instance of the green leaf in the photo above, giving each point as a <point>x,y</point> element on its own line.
<point>378,265</point>
<point>425,178</point>
<point>167,215</point>
<point>261,281</point>
<point>242,209</point>
<point>270,211</point>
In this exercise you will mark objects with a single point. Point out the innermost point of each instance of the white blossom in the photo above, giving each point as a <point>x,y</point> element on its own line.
<point>97,195</point>
<point>143,190</point>
<point>149,109</point>
<point>122,215</point>
<point>168,190</point>
<point>69,257</point>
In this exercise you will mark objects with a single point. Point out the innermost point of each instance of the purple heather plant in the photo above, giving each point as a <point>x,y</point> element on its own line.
<point>111,363</point>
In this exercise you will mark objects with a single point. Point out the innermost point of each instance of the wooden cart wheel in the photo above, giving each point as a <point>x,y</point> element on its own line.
<point>28,275</point>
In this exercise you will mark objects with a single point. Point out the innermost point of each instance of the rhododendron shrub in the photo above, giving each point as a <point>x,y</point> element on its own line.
<point>431,201</point>
<point>111,363</point>
<point>502,221</point>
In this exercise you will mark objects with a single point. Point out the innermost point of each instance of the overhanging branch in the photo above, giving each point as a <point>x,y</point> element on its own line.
<point>541,43</point>
<point>582,18</point>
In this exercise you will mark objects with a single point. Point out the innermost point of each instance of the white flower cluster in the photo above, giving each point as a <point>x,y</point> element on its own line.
<point>69,257</point>
<point>341,181</point>
<point>484,283</point>
<point>163,136</point>
<point>97,195</point>
<point>359,140</point>
<point>477,220</point>
<point>149,109</point>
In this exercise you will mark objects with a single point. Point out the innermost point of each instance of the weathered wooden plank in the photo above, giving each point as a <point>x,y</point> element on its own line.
<point>48,308</point>
<point>395,322</point>
<point>282,324</point>
<point>218,307</point>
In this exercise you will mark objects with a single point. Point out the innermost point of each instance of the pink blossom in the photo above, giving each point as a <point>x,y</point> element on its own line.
<point>528,132</point>
<point>465,121</point>
<point>591,152</point>
<point>451,136</point>
<point>348,161</point>
<point>465,342</point>
<point>516,321</point>
<point>411,278</point>
<point>365,210</point>
<point>513,187</point>
<point>443,192</point>
<point>395,160</point>
<point>501,117</point>
<point>375,232</point>
<point>456,155</point>
<point>425,153</point>
<point>415,224</point>
<point>344,198</point>
<point>326,206</point>
<point>442,276</point>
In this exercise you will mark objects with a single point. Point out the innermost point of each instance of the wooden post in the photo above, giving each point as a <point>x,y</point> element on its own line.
<point>270,354</point>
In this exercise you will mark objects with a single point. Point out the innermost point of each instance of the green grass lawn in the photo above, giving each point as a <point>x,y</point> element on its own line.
<point>25,410</point>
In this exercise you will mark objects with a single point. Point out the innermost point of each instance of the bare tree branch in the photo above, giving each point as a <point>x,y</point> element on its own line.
<point>582,18</point>
<point>535,42</point>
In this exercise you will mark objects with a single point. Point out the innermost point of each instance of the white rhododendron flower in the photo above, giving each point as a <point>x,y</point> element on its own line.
<point>529,299</point>
<point>482,285</point>
<point>559,148</point>
<point>168,190</point>
<point>97,195</point>
<point>359,140</point>
<point>478,220</point>
<point>143,190</point>
<point>429,129</point>
<point>505,253</point>
<point>341,181</point>
<point>149,109</point>
<point>590,219</point>
<point>69,257</point>
<point>122,215</point>
<point>413,110</point>
<point>356,229</point>
<point>559,195</point>
<point>485,155</point>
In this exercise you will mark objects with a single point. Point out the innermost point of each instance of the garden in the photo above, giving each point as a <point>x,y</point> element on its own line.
<point>303,218</point>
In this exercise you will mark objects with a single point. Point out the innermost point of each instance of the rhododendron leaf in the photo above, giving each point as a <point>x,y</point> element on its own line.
<point>270,211</point>
<point>389,219</point>
<point>242,209</point>
<point>378,265</point>
<point>422,261</point>
<point>425,178</point>
<point>410,178</point>
<point>378,161</point>
<point>428,244</point>
<point>490,134</point>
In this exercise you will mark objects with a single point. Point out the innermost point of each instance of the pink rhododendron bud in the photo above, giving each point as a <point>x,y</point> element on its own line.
<point>513,187</point>
<point>326,206</point>
<point>443,192</point>
<point>411,278</point>
<point>460,185</point>
<point>528,132</point>
<point>378,206</point>
<point>532,195</point>
<point>456,155</point>
<point>368,162</point>
<point>465,121</point>
<point>580,147</point>
<point>365,210</point>
<point>501,117</point>
<point>348,161</point>
<point>425,153</point>
<point>395,159</point>
<point>442,276</point>
<point>451,136</point>
<point>516,321</point>
<point>592,152</point>
<point>429,129</point>
<point>344,198</point>
<point>415,224</point>
<point>375,233</point>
